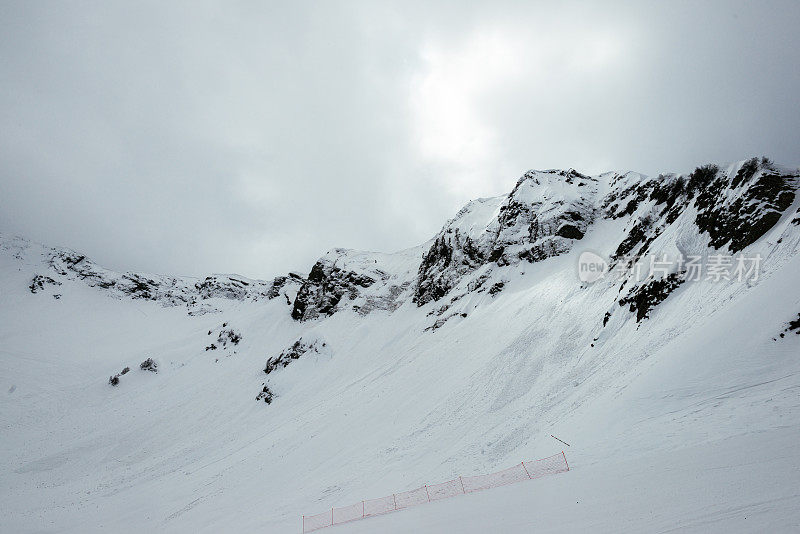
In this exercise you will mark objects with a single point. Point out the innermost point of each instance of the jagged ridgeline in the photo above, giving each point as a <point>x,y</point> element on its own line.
<point>715,207</point>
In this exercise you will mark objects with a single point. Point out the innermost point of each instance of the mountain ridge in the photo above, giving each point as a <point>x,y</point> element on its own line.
<point>544,215</point>
<point>318,390</point>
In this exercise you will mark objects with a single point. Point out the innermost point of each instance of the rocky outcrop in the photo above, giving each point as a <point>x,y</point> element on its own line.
<point>451,256</point>
<point>149,365</point>
<point>545,213</point>
<point>737,209</point>
<point>360,281</point>
<point>39,282</point>
<point>168,291</point>
<point>793,326</point>
<point>643,298</point>
<point>227,338</point>
<point>114,379</point>
<point>265,394</point>
<point>735,206</point>
<point>326,285</point>
<point>294,352</point>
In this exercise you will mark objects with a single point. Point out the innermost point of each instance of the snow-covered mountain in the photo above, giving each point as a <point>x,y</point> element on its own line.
<point>377,372</point>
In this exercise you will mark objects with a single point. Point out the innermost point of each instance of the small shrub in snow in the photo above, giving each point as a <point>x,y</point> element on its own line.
<point>149,365</point>
<point>113,380</point>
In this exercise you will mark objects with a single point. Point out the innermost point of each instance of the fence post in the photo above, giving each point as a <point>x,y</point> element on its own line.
<point>363,508</point>
<point>462,485</point>
<point>526,469</point>
<point>426,493</point>
<point>565,459</point>
<point>395,500</point>
<point>304,524</point>
<point>331,516</point>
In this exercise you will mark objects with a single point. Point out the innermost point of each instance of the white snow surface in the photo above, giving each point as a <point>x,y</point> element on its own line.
<point>685,422</point>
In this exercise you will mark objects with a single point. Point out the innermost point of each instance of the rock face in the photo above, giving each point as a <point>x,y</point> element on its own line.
<point>730,208</point>
<point>645,297</point>
<point>361,281</point>
<point>737,209</point>
<point>545,213</point>
<point>734,206</point>
<point>65,265</point>
<point>295,352</point>
<point>326,285</point>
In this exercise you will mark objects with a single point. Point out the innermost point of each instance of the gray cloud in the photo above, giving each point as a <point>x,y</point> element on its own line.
<point>251,137</point>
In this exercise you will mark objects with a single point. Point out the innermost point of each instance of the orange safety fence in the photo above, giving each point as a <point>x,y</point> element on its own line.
<point>434,492</point>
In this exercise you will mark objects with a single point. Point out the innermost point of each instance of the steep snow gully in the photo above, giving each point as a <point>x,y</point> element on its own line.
<point>139,402</point>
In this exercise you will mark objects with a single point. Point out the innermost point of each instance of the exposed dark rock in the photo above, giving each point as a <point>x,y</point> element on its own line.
<point>746,172</point>
<point>277,284</point>
<point>265,394</point>
<point>438,323</point>
<point>671,192</point>
<point>624,202</point>
<point>325,287</point>
<point>794,326</point>
<point>496,288</point>
<point>298,349</point>
<point>762,196</point>
<point>644,298</point>
<point>169,291</point>
<point>569,231</point>
<point>705,180</point>
<point>542,251</point>
<point>40,281</point>
<point>642,233</point>
<point>539,219</point>
<point>229,336</point>
<point>114,379</point>
<point>450,257</point>
<point>735,211</point>
<point>224,338</point>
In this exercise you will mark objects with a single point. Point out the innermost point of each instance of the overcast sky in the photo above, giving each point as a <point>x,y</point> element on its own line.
<point>200,137</point>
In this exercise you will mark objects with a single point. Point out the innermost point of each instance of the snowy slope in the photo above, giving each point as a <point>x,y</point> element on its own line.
<point>457,357</point>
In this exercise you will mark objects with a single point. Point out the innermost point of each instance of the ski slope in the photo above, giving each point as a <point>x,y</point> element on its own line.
<point>685,421</point>
<point>704,439</point>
